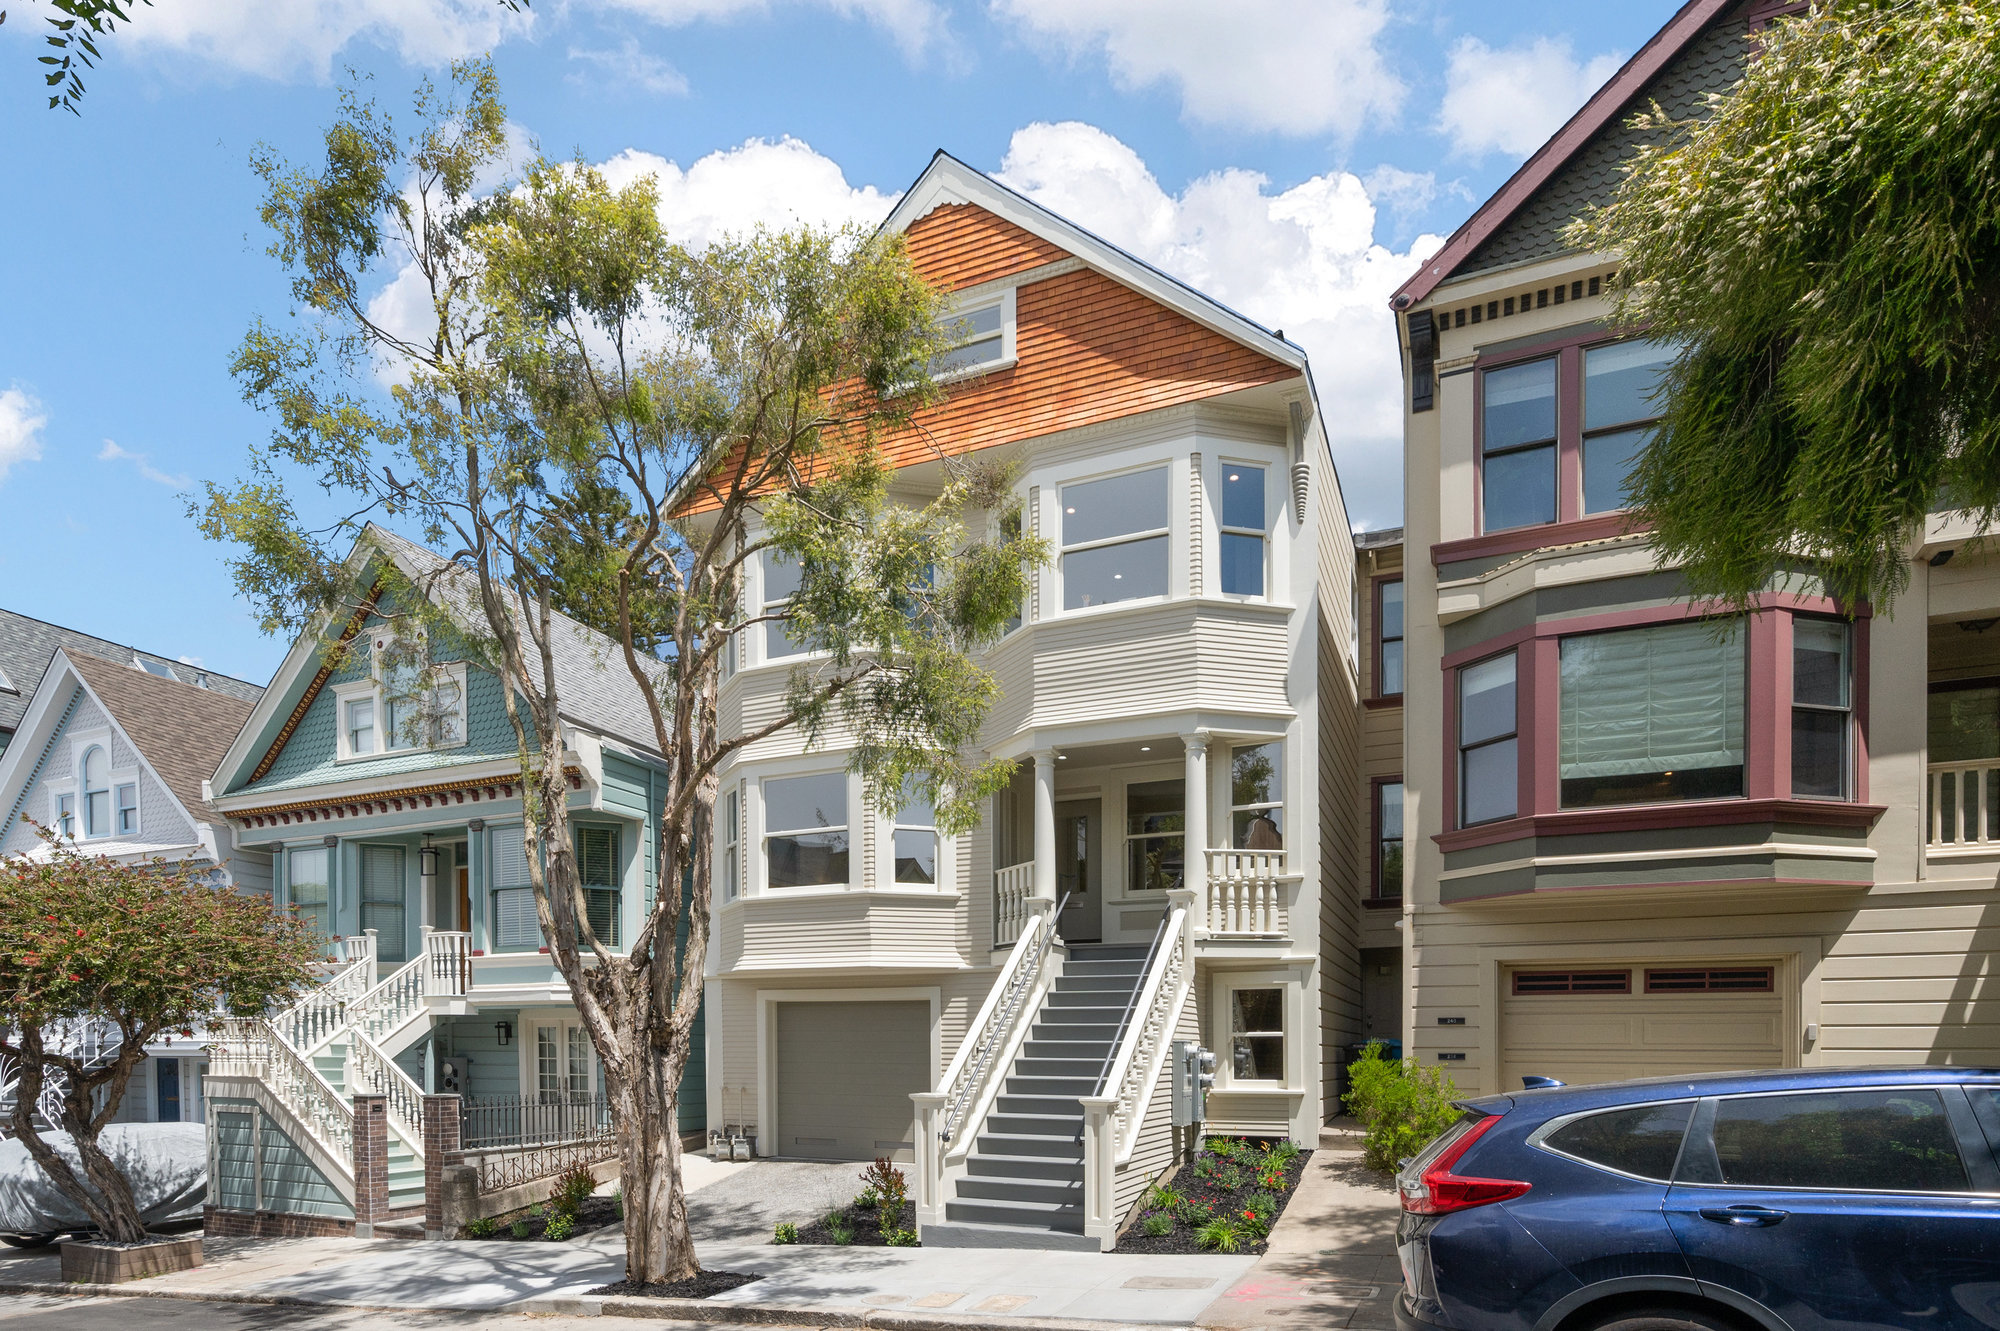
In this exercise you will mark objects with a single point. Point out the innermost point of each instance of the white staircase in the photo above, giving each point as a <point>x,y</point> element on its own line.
<point>93,1042</point>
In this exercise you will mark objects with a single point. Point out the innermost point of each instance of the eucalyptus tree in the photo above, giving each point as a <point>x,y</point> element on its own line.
<point>1826,241</point>
<point>585,415</point>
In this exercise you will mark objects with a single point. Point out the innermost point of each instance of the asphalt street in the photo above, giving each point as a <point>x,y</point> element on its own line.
<point>22,1312</point>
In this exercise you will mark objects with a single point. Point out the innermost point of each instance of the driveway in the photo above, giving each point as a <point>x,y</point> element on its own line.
<point>746,1204</point>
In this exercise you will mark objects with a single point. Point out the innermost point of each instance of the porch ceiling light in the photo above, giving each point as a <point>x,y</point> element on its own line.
<point>1145,748</point>
<point>427,862</point>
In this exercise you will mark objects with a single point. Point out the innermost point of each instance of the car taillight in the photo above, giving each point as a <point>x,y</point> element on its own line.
<point>1438,1191</point>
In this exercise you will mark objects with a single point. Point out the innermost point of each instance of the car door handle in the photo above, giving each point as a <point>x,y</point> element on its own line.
<point>1750,1216</point>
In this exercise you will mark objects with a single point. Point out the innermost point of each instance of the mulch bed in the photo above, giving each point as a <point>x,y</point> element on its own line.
<point>597,1212</point>
<point>705,1285</point>
<point>1213,1186</point>
<point>867,1231</point>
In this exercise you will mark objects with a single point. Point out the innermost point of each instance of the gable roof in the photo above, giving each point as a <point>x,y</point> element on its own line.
<point>947,181</point>
<point>1665,46</point>
<point>27,645</point>
<point>181,731</point>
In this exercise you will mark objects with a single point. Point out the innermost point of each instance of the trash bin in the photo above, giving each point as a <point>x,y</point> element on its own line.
<point>1391,1049</point>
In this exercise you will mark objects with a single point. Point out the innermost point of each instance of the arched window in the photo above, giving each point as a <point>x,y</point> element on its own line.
<point>96,793</point>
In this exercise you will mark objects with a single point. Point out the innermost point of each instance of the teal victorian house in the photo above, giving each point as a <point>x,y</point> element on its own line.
<point>443,1041</point>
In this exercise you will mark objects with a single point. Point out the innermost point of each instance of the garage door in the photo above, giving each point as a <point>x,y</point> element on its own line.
<point>846,1072</point>
<point>1582,1024</point>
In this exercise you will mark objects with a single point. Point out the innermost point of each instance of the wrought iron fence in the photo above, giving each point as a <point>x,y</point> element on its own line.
<point>500,1123</point>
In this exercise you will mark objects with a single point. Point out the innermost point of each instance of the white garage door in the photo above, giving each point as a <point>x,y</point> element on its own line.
<point>1583,1024</point>
<point>846,1072</point>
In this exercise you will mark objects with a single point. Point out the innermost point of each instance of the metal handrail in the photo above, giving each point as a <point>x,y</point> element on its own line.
<point>976,1075</point>
<point>1131,1004</point>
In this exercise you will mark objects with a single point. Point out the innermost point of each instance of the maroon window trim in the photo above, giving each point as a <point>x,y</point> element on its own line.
<point>1376,897</point>
<point>1583,982</point>
<point>1375,638</point>
<point>1710,980</point>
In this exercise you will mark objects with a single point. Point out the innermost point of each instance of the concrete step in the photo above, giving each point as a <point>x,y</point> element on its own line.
<point>1035,1125</point>
<point>1060,1192</point>
<point>1042,1167</point>
<point>955,1235</point>
<point>1046,1147</point>
<point>1040,1215</point>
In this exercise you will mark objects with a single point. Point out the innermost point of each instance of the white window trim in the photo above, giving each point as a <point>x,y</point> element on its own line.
<point>884,871</point>
<point>371,689</point>
<point>729,854</point>
<point>564,1019</point>
<point>965,308</point>
<point>114,777</point>
<point>1222,529</point>
<point>761,832</point>
<point>1054,492</point>
<point>1290,984</point>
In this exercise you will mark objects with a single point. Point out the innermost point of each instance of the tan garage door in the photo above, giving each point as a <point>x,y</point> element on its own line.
<point>1611,1022</point>
<point>846,1072</point>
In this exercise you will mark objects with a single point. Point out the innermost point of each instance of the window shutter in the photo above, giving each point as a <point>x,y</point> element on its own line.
<point>510,858</point>
<point>382,890</point>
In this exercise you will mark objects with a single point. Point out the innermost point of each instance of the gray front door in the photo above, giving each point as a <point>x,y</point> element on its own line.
<point>1080,871</point>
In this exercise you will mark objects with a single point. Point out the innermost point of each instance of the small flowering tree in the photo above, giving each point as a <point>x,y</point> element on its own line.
<point>153,950</point>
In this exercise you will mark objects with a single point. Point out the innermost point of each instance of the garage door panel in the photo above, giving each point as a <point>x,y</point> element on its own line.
<point>1598,1037</point>
<point>1702,1030</point>
<point>845,1074</point>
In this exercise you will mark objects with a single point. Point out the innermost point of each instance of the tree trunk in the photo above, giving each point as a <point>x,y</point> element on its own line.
<point>658,1247</point>
<point>102,1193</point>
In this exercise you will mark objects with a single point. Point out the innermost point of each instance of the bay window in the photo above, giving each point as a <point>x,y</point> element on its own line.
<point>1518,446</point>
<point>306,884</point>
<point>1257,797</point>
<point>1242,530</point>
<point>1654,714</point>
<point>805,831</point>
<point>1114,539</point>
<point>781,581</point>
<point>1155,821</point>
<point>1488,741</point>
<point>1389,638</point>
<point>915,840</point>
<point>1822,709</point>
<point>732,830</point>
<point>597,870</point>
<point>1619,383</point>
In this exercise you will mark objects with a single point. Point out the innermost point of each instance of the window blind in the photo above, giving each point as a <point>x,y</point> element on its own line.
<point>514,922</point>
<point>1660,699</point>
<point>382,892</point>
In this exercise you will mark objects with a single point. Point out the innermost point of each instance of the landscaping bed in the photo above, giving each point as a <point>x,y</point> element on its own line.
<point>1225,1201</point>
<point>706,1285</point>
<point>572,1210</point>
<point>861,1223</point>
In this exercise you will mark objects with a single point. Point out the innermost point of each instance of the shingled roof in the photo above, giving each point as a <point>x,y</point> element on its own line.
<point>27,645</point>
<point>180,730</point>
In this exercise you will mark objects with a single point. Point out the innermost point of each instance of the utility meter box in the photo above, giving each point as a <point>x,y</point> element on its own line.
<point>451,1076</point>
<point>1194,1073</point>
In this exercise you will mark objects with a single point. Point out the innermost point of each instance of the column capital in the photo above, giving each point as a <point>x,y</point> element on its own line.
<point>1197,739</point>
<point>1045,754</point>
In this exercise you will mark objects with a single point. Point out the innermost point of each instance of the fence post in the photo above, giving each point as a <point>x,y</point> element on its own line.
<point>371,1163</point>
<point>441,1124</point>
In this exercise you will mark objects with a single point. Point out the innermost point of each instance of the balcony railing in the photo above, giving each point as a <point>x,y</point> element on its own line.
<point>1011,888</point>
<point>1964,804</point>
<point>1246,895</point>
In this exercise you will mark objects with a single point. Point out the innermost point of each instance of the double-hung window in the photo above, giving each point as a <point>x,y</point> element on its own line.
<point>1242,530</point>
<point>66,816</point>
<point>982,336</point>
<point>1387,884</point>
<point>1653,714</point>
<point>515,924</point>
<point>1822,709</point>
<point>1257,797</point>
<point>1389,638</point>
<point>1257,1034</point>
<point>597,867</point>
<point>1155,824</point>
<point>781,581</point>
<point>1619,384</point>
<point>805,830</point>
<point>383,895</point>
<point>127,813</point>
<point>1114,539</point>
<point>360,723</point>
<point>732,832</point>
<point>96,792</point>
<point>1488,742</point>
<point>914,835</point>
<point>1518,446</point>
<point>306,884</point>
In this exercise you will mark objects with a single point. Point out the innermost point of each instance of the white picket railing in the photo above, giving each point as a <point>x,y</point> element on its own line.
<point>1012,886</point>
<point>1964,805</point>
<point>248,1047</point>
<point>1245,894</point>
<point>372,1072</point>
<point>349,949</point>
<point>321,1013</point>
<point>450,957</point>
<point>1112,1118</point>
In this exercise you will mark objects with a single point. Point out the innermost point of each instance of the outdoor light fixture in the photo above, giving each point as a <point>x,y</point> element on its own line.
<point>1145,748</point>
<point>427,861</point>
<point>503,1031</point>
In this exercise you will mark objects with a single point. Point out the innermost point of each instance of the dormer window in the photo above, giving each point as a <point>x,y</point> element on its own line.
<point>96,793</point>
<point>402,705</point>
<point>151,667</point>
<point>983,333</point>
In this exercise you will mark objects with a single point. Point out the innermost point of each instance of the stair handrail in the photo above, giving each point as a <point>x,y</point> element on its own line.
<point>1126,1076</point>
<point>322,1012</point>
<point>996,1020</point>
<point>1131,1004</point>
<point>249,1046</point>
<point>371,1071</point>
<point>393,1001</point>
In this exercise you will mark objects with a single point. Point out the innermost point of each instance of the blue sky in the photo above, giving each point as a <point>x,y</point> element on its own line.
<point>1292,157</point>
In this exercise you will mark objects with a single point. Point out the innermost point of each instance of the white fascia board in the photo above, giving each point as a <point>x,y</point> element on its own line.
<point>38,724</point>
<point>948,181</point>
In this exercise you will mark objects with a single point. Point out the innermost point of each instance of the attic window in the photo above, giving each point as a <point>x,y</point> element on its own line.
<point>160,668</point>
<point>983,331</point>
<point>6,684</point>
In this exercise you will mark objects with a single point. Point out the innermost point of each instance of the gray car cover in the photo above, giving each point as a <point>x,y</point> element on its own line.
<point>166,1165</point>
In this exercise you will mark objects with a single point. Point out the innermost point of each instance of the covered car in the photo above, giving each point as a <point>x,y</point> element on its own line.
<point>166,1165</point>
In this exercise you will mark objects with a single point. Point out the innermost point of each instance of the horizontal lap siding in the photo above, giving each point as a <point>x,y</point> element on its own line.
<point>1154,1152</point>
<point>1344,818</point>
<point>292,1183</point>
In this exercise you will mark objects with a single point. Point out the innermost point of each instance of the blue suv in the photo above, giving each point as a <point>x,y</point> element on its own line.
<point>1822,1200</point>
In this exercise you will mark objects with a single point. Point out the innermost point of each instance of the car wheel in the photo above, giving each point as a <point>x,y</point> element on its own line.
<point>1664,1319</point>
<point>27,1240</point>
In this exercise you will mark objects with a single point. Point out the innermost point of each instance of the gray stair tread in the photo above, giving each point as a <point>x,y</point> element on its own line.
<point>959,1234</point>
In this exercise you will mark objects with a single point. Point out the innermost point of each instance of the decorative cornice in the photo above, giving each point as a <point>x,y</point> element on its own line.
<point>354,623</point>
<point>437,795</point>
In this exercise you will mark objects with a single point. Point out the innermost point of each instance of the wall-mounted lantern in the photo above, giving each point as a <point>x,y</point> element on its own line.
<point>504,1032</point>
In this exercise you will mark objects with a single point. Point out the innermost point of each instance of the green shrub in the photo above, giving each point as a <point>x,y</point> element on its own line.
<point>1228,1178</point>
<point>1403,1106</point>
<point>1282,1152</point>
<point>1207,1166</point>
<point>866,1200</point>
<point>1162,1198</point>
<point>1264,1203</point>
<point>891,1190</point>
<point>900,1238</point>
<point>572,1186</point>
<point>785,1233</point>
<point>1220,1235</point>
<point>520,1229</point>
<point>1156,1224</point>
<point>842,1232</point>
<point>559,1227</point>
<point>484,1227</point>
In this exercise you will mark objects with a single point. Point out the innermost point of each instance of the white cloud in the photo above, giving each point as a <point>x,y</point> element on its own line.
<point>758,182</point>
<point>917,26</point>
<point>191,660</point>
<point>1511,100</point>
<point>142,463</point>
<point>21,422</point>
<point>303,36</point>
<point>1254,64</point>
<point>1302,259</point>
<point>628,66</point>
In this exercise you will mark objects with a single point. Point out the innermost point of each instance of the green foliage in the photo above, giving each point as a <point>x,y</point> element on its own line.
<point>1207,1166</point>
<point>559,1226</point>
<point>900,1238</point>
<point>571,1187</point>
<point>1827,242</point>
<point>786,1232</point>
<point>865,1200</point>
<point>482,1227</point>
<point>1281,1152</point>
<point>1156,1224</point>
<point>1402,1105</point>
<point>1221,1234</point>
<point>842,1232</point>
<point>1229,1178</point>
<point>520,1229</point>
<point>154,950</point>
<point>1163,1197</point>
<point>891,1190</point>
<point>1224,1148</point>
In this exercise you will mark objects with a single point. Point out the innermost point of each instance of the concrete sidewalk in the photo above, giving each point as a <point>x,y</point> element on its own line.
<point>1332,1258</point>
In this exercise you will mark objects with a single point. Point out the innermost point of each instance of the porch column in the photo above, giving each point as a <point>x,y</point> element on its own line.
<point>1195,801</point>
<point>1045,825</point>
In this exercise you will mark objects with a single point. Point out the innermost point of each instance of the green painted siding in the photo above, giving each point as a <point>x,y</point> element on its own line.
<point>491,1070</point>
<point>235,1160</point>
<point>291,1181</point>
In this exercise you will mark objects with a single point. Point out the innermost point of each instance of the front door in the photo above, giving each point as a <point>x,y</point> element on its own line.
<point>464,897</point>
<point>1079,872</point>
<point>167,1090</point>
